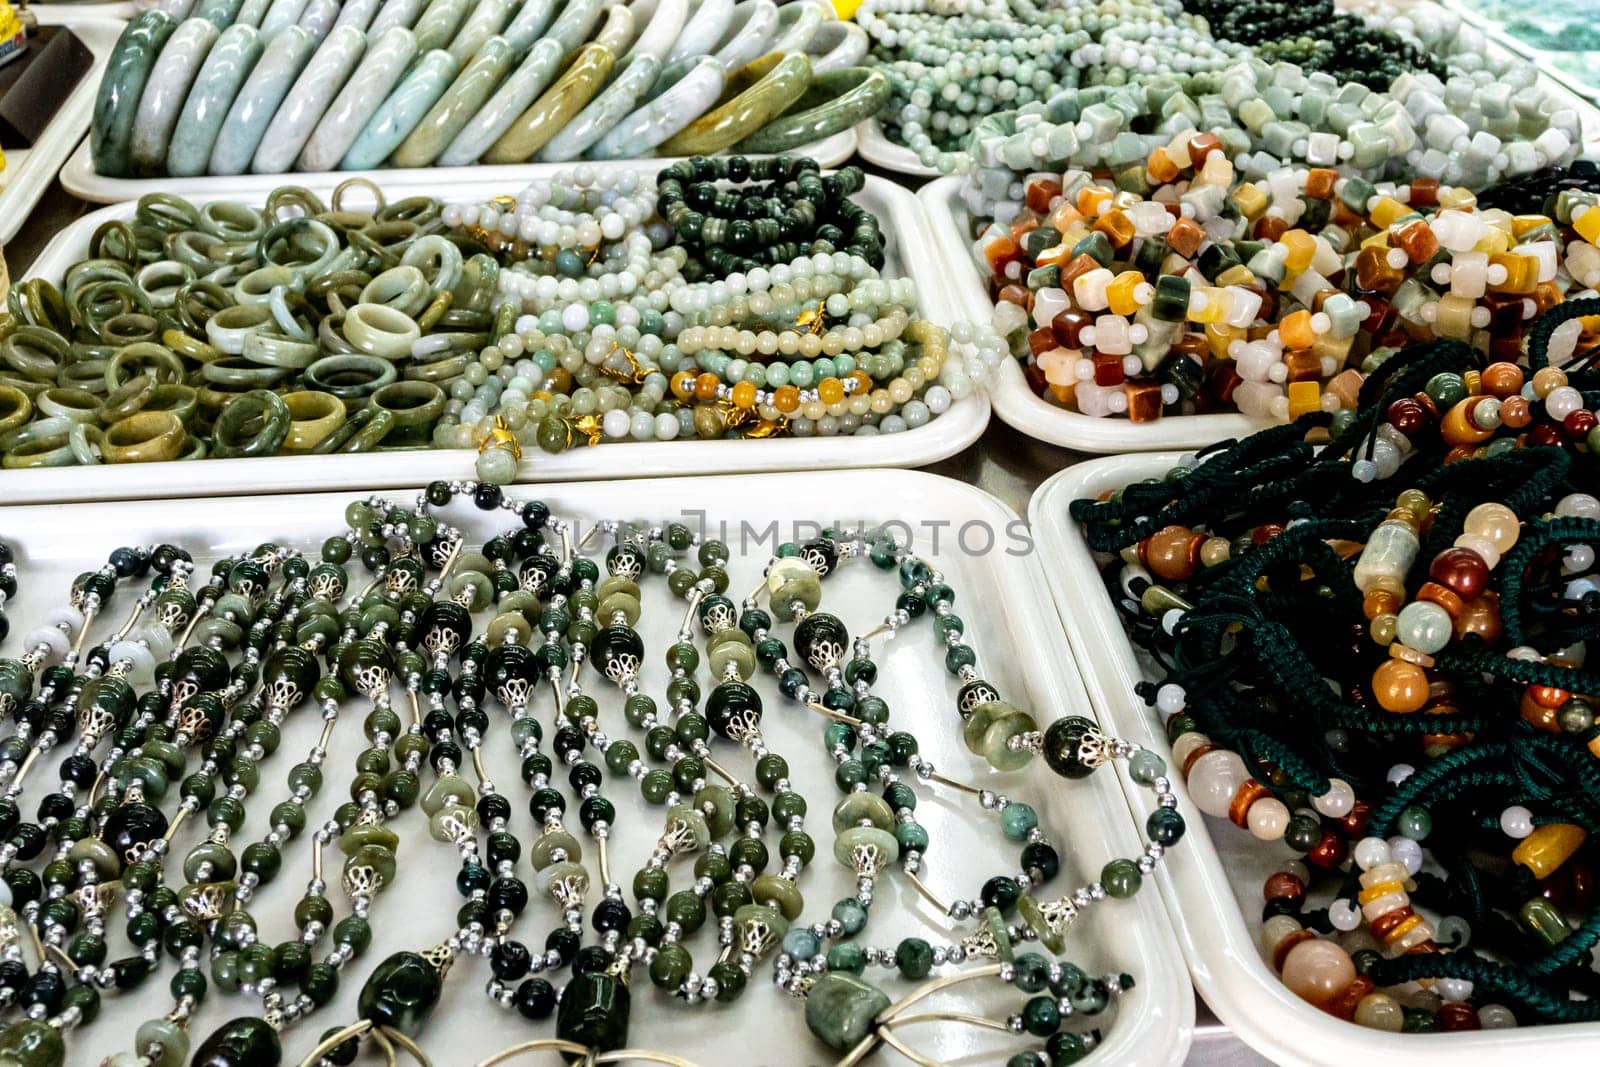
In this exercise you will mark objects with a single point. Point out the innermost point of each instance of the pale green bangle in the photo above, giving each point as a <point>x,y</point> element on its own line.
<point>78,405</point>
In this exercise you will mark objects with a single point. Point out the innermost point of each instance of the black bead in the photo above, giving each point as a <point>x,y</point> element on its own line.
<point>510,960</point>
<point>442,751</point>
<point>583,774</point>
<point>244,1042</point>
<point>567,739</point>
<point>535,999</point>
<point>487,496</point>
<point>471,877</point>
<point>55,806</point>
<point>492,806</point>
<point>1001,893</point>
<point>1041,860</point>
<point>508,894</point>
<point>591,959</point>
<point>596,809</point>
<point>13,975</point>
<point>545,801</point>
<point>611,914</point>
<point>46,988</point>
<point>29,840</point>
<point>535,514</point>
<point>565,942</point>
<point>503,847</point>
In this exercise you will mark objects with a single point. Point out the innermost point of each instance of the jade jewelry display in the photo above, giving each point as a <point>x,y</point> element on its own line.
<point>736,299</point>
<point>1367,640</point>
<point>288,86</point>
<point>264,753</point>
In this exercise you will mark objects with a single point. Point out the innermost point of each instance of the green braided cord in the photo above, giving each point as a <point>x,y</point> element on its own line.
<point>1572,951</point>
<point>1540,332</point>
<point>1536,535</point>
<point>1505,983</point>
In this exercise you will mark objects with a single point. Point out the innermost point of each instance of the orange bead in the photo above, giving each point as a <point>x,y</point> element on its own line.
<point>786,398</point>
<point>683,385</point>
<point>705,386</point>
<point>830,390</point>
<point>744,395</point>
<point>1295,330</point>
<point>1172,552</point>
<point>863,382</point>
<point>1400,687</point>
<point>1160,167</point>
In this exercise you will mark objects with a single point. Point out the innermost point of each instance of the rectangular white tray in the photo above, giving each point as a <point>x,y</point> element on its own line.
<point>1014,400</point>
<point>1010,622</point>
<point>29,172</point>
<point>80,179</point>
<point>1212,883</point>
<point>910,250</point>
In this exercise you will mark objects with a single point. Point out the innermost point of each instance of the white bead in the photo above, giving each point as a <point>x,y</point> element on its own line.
<point>1516,821</point>
<point>1338,801</point>
<point>1371,851</point>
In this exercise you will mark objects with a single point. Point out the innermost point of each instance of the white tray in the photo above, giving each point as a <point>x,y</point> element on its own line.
<point>1014,401</point>
<point>909,250</point>
<point>1019,651</point>
<point>79,177</point>
<point>1212,884</point>
<point>29,172</point>
<point>875,147</point>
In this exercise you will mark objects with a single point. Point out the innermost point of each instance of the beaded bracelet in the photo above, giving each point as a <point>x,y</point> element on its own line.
<point>1464,554</point>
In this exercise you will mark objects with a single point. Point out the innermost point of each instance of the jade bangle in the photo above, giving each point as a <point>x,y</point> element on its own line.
<point>35,353</point>
<point>750,35</point>
<point>502,108</point>
<point>438,258</point>
<point>836,101</point>
<point>15,408</point>
<point>437,26</point>
<point>798,21</point>
<point>657,36</point>
<point>165,92</point>
<point>255,424</point>
<point>145,437</point>
<point>258,286</point>
<point>680,100</point>
<point>602,114</point>
<point>127,399</point>
<point>548,114</point>
<point>381,331</point>
<point>182,400</point>
<point>703,31</point>
<point>228,328</point>
<point>294,237</point>
<point>33,432</point>
<point>350,377</point>
<point>129,328</point>
<point>371,433</point>
<point>487,19</point>
<point>86,441</point>
<point>88,374</point>
<point>394,14</point>
<point>166,212</point>
<point>236,374</point>
<point>575,24</point>
<point>76,405</point>
<point>279,352</point>
<point>449,116</point>
<point>421,87</point>
<point>312,417</point>
<point>161,281</point>
<point>836,46</point>
<point>756,93</point>
<point>413,404</point>
<point>232,221</point>
<point>165,366</point>
<point>403,289</point>
<point>36,302</point>
<point>121,87</point>
<point>324,75</point>
<point>263,91</point>
<point>380,71</point>
<point>528,24</point>
<point>52,451</point>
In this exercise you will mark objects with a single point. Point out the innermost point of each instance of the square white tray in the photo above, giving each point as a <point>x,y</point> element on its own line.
<point>910,250</point>
<point>1212,882</point>
<point>1010,623</point>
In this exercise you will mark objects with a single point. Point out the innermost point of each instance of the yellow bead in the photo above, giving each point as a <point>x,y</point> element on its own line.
<point>1548,847</point>
<point>1522,272</point>
<point>1213,304</point>
<point>1238,274</point>
<point>1220,335</point>
<point>1473,381</point>
<point>1123,292</point>
<point>1386,210</point>
<point>1301,246</point>
<point>1458,197</point>
<point>1588,225</point>
<point>1521,224</point>
<point>1250,200</point>
<point>1304,397</point>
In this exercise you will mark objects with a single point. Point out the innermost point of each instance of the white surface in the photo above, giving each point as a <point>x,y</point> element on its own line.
<point>909,251</point>
<point>80,179</point>
<point>875,147</point>
<point>1014,401</point>
<point>1019,651</point>
<point>1212,884</point>
<point>28,172</point>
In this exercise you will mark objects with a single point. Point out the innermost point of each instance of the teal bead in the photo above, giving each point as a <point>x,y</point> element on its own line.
<point>912,837</point>
<point>401,993</point>
<point>959,656</point>
<point>1018,820</point>
<point>801,943</point>
<point>1041,1017</point>
<point>847,957</point>
<point>852,915</point>
<point>914,957</point>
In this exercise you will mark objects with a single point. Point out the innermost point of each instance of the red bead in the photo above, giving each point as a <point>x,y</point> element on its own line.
<point>1544,434</point>
<point>1407,416</point>
<point>1577,424</point>
<point>1284,886</point>
<point>1458,1016</point>
<point>1328,853</point>
<point>1355,824</point>
<point>1462,571</point>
